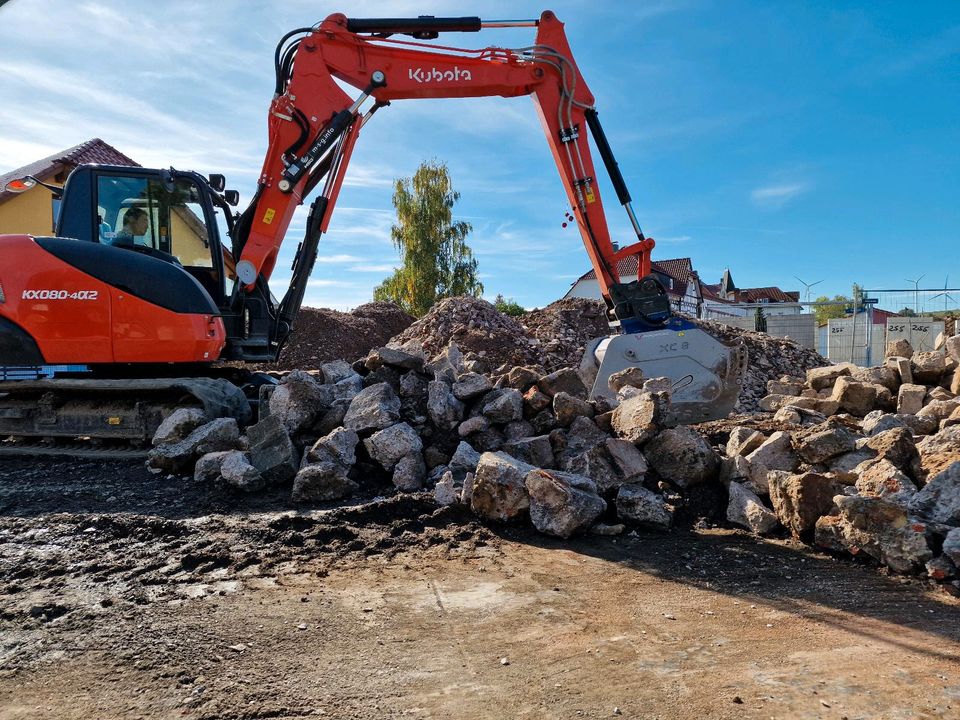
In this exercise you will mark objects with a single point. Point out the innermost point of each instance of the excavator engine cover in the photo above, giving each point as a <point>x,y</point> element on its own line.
<point>707,375</point>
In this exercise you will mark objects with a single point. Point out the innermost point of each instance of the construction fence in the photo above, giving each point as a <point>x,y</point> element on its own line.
<point>859,331</point>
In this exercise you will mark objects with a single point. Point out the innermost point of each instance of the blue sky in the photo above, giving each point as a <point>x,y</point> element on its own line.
<point>816,139</point>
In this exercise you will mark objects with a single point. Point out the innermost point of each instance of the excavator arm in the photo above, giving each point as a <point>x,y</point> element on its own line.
<point>314,124</point>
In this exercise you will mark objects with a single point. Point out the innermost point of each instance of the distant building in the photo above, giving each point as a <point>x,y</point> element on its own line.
<point>689,295</point>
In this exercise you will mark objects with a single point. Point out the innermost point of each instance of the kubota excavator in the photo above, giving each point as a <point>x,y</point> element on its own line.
<point>138,287</point>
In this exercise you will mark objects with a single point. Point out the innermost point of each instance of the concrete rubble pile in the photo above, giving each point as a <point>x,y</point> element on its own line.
<point>769,358</point>
<point>862,461</point>
<point>868,462</point>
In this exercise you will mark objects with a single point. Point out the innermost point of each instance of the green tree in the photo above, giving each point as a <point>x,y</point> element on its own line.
<point>907,312</point>
<point>436,261</point>
<point>509,307</point>
<point>836,309</point>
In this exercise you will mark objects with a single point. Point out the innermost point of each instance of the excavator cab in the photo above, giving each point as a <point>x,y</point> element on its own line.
<point>168,215</point>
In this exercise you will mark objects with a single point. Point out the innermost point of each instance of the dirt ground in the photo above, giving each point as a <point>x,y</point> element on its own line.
<point>127,594</point>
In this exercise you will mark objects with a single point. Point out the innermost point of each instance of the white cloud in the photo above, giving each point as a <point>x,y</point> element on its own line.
<point>775,196</point>
<point>339,258</point>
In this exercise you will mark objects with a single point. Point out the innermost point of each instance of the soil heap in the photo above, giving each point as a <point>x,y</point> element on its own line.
<point>321,335</point>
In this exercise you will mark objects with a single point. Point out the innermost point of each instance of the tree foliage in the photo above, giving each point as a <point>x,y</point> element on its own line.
<point>436,261</point>
<point>509,307</point>
<point>759,320</point>
<point>837,309</point>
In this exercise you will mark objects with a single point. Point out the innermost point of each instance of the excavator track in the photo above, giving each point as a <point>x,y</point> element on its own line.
<point>81,448</point>
<point>100,410</point>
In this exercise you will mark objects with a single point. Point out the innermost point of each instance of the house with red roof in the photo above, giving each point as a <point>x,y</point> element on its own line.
<point>34,211</point>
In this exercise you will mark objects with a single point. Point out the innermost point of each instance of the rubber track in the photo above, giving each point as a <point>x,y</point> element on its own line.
<point>80,450</point>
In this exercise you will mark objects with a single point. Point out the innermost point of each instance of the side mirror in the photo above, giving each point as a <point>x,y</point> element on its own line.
<point>232,197</point>
<point>217,181</point>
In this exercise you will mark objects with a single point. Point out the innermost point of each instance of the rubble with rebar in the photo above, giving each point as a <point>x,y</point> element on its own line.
<point>470,405</point>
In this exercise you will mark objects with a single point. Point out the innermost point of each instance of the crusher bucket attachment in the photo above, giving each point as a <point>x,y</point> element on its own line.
<point>707,374</point>
<point>110,409</point>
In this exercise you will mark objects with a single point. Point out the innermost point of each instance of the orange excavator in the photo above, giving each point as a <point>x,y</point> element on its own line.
<point>141,287</point>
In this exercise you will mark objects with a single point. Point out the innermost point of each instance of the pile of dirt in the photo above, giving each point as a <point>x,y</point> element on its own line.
<point>480,331</point>
<point>564,328</point>
<point>321,335</point>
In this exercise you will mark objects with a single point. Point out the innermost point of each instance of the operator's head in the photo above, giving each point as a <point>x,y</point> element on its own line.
<point>135,221</point>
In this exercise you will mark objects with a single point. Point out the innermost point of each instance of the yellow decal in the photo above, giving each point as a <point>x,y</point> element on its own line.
<point>113,421</point>
<point>268,216</point>
<point>680,334</point>
<point>590,196</point>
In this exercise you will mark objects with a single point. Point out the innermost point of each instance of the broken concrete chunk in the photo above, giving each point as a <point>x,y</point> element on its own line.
<point>178,424</point>
<point>800,500</point>
<point>389,445</point>
<point>878,528</point>
<point>681,456</point>
<point>856,398</point>
<point>566,408</point>
<point>470,386</point>
<point>564,380</point>
<point>881,477</point>
<point>337,370</point>
<point>928,367</point>
<point>374,408</point>
<point>745,509</point>
<point>637,504</point>
<point>895,445</point>
<point>910,398</point>
<point>639,418</point>
<point>744,440</point>
<point>410,472</point>
<point>207,468</point>
<point>445,492</point>
<point>395,358</point>
<point>536,401</point>
<point>444,409</point>
<point>522,377</point>
<point>597,465</point>
<point>271,450</point>
<point>878,421</point>
<point>562,503</point>
<point>951,546</point>
<point>825,377</point>
<point>179,457</point>
<point>536,451</point>
<point>628,461</point>
<point>937,452</point>
<point>899,348</point>
<point>776,453</point>
<point>939,500</point>
<point>473,425</point>
<point>237,472</point>
<point>825,445</point>
<point>464,460</point>
<point>499,491</point>
<point>322,482</point>
<point>339,446</point>
<point>631,376</point>
<point>503,405</point>
<point>299,400</point>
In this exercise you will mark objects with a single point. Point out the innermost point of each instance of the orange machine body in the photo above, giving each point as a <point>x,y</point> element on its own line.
<point>76,318</point>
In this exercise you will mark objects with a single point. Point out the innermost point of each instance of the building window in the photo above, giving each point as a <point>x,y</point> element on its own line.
<point>55,212</point>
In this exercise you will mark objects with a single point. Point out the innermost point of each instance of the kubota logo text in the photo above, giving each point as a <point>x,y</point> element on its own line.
<point>434,75</point>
